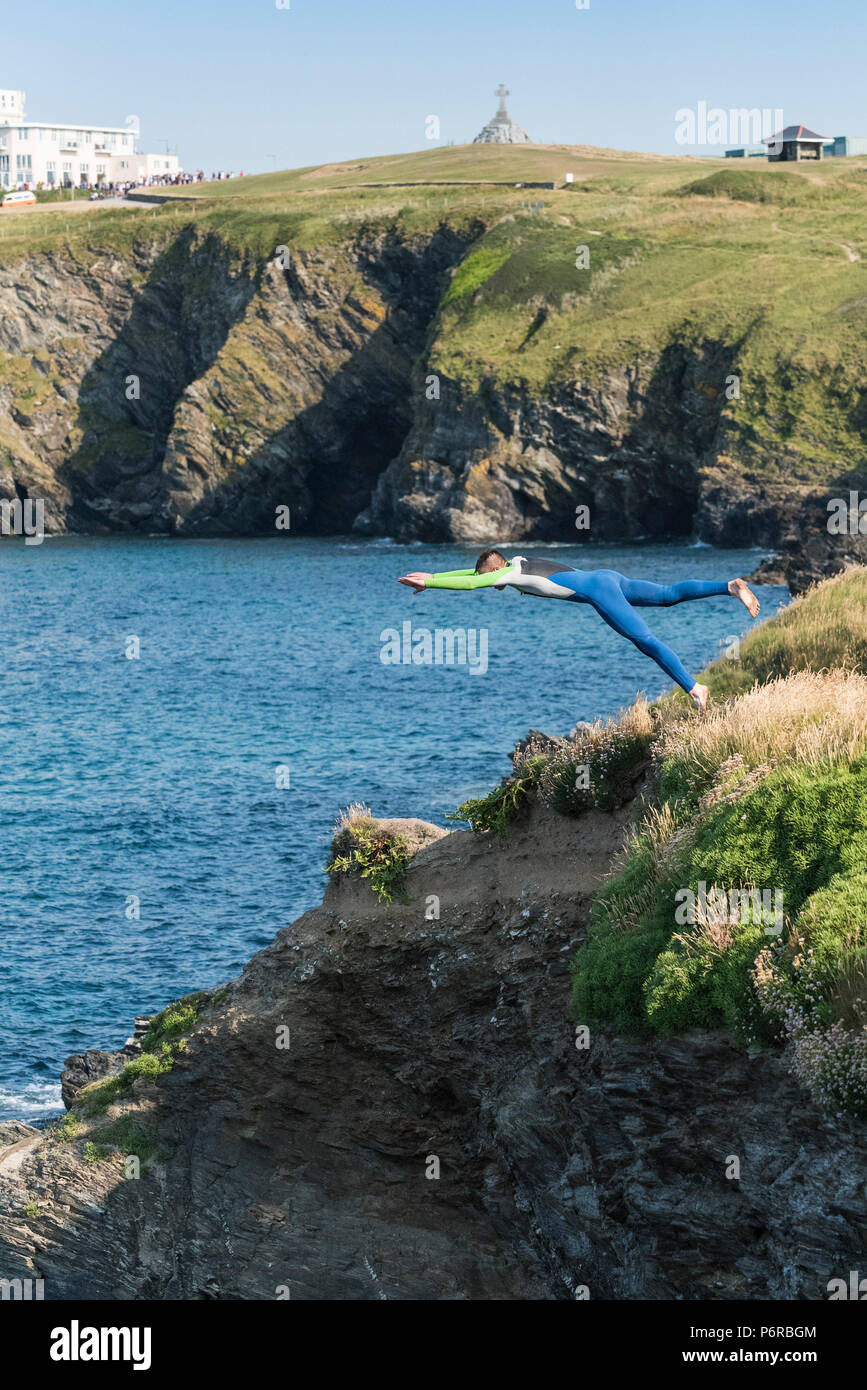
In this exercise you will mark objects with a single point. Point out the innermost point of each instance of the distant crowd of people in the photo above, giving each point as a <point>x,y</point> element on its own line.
<point>165,181</point>
<point>105,189</point>
<point>112,190</point>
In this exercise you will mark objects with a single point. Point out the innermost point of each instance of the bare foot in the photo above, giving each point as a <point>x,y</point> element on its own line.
<point>741,590</point>
<point>698,695</point>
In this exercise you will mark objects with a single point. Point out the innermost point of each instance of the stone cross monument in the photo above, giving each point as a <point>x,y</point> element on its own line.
<point>501,130</point>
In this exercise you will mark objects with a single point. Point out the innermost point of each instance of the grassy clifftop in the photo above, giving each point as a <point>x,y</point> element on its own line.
<point>741,902</point>
<point>768,262</point>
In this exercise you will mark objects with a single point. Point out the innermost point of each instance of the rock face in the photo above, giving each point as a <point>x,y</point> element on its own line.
<point>428,1129</point>
<point>506,465</point>
<point>808,551</point>
<point>187,386</point>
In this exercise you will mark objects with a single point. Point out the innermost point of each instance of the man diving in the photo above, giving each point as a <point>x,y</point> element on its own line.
<point>613,595</point>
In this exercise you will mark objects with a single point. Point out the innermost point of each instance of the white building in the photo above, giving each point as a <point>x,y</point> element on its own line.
<point>36,154</point>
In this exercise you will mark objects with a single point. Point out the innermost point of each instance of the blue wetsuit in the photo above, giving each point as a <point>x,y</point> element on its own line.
<point>615,599</point>
<point>613,595</point>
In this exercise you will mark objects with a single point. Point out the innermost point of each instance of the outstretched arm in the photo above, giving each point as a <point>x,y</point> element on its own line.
<point>458,579</point>
<point>468,579</point>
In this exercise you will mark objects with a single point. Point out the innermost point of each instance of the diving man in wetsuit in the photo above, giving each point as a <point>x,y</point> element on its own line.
<point>614,597</point>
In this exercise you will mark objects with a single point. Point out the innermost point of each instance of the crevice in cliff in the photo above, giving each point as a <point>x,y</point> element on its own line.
<point>180,318</point>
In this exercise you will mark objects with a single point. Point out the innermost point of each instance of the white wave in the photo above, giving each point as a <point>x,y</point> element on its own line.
<point>33,1102</point>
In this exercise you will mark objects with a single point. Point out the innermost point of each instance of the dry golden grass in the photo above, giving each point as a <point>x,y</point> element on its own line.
<point>810,717</point>
<point>356,811</point>
<point>824,628</point>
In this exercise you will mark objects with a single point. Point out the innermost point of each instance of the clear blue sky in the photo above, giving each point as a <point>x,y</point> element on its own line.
<point>233,82</point>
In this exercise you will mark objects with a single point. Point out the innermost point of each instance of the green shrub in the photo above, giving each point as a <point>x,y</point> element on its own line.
<point>608,974</point>
<point>362,845</point>
<point>498,810</point>
<point>66,1129</point>
<point>95,1153</point>
<point>594,770</point>
<point>96,1098</point>
<point>595,767</point>
<point>703,982</point>
<point>752,186</point>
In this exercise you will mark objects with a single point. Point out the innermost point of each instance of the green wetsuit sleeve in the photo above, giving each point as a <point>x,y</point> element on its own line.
<point>450,574</point>
<point>468,579</point>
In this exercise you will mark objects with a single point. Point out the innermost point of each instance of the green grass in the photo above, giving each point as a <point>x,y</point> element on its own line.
<point>822,629</point>
<point>751,185</point>
<point>67,1128</point>
<point>172,1023</point>
<point>593,770</point>
<point>126,1135</point>
<point>96,1098</point>
<point>478,267</point>
<point>498,810</point>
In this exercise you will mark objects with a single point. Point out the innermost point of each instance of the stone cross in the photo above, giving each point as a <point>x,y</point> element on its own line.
<point>502,92</point>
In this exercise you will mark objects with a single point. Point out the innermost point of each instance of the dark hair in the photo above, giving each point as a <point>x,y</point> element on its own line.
<point>490,555</point>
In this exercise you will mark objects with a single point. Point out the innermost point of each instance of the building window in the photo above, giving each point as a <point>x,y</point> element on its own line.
<point>22,132</point>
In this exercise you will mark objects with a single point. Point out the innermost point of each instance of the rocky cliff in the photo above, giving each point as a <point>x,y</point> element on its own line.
<point>185,385</point>
<point>446,371</point>
<point>389,1104</point>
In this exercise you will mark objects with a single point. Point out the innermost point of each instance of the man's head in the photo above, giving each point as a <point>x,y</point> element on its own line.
<point>490,560</point>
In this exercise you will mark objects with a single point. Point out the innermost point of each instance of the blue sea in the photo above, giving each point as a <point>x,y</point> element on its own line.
<point>182,721</point>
